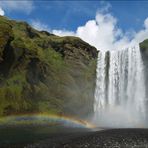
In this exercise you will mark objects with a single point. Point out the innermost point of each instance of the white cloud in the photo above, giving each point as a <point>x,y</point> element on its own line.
<point>2,11</point>
<point>39,25</point>
<point>103,33</point>
<point>146,23</point>
<point>13,5</point>
<point>63,32</point>
<point>105,6</point>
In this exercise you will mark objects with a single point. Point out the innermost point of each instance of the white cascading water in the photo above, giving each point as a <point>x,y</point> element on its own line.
<point>120,89</point>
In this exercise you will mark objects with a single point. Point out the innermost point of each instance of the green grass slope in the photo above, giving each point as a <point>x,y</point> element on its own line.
<point>41,72</point>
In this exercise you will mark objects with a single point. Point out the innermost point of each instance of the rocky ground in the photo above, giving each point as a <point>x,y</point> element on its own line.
<point>112,138</point>
<point>74,138</point>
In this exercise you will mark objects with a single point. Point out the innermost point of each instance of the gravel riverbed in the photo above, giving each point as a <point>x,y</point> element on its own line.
<point>76,138</point>
<point>111,138</point>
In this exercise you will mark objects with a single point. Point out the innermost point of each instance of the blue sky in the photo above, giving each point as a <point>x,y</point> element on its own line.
<point>70,15</point>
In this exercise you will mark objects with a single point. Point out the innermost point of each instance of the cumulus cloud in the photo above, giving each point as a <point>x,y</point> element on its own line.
<point>39,25</point>
<point>13,5</point>
<point>2,11</point>
<point>101,32</point>
<point>104,34</point>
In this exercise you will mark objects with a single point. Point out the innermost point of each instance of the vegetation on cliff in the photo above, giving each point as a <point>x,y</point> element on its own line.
<point>41,72</point>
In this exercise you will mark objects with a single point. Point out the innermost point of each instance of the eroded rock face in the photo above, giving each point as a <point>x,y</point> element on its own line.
<point>41,72</point>
<point>144,53</point>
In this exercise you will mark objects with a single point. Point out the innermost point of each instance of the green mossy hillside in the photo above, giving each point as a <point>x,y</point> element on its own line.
<point>42,72</point>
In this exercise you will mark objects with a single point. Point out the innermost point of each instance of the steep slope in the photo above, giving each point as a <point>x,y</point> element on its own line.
<point>41,72</point>
<point>144,52</point>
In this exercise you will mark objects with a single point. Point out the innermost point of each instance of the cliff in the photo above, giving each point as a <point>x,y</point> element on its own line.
<point>42,72</point>
<point>144,53</point>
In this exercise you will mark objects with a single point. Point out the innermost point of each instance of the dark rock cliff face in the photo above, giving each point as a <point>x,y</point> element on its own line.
<point>41,72</point>
<point>144,53</point>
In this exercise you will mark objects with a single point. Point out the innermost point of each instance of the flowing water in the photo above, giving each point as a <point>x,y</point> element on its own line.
<point>120,89</point>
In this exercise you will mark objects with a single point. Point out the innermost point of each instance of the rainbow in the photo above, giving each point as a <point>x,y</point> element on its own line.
<point>42,118</point>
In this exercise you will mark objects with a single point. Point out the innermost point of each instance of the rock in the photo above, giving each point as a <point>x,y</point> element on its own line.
<point>144,53</point>
<point>42,72</point>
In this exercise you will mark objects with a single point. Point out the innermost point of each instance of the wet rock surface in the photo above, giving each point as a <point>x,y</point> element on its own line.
<point>112,138</point>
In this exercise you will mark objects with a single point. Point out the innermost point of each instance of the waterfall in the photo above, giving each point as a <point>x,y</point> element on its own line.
<point>120,89</point>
